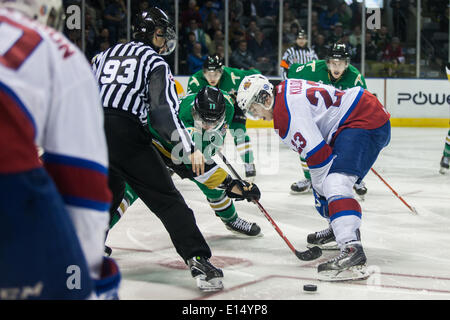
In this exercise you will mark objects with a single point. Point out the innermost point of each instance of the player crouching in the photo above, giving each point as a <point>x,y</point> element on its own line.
<point>340,134</point>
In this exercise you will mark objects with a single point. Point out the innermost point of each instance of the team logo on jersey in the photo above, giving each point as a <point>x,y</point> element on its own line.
<point>247,85</point>
<point>266,87</point>
<point>234,78</point>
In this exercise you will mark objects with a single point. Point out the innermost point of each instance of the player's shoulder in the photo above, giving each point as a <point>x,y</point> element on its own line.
<point>229,70</point>
<point>321,64</point>
<point>228,99</point>
<point>187,99</point>
<point>297,67</point>
<point>196,82</point>
<point>353,70</point>
<point>198,75</point>
<point>45,38</point>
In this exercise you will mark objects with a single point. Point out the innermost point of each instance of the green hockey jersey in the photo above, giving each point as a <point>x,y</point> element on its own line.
<point>208,141</point>
<point>229,82</point>
<point>317,71</point>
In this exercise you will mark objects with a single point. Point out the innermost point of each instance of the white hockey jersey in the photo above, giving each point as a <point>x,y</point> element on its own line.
<point>308,116</point>
<point>49,98</point>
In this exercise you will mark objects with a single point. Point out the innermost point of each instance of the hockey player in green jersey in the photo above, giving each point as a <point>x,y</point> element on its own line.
<point>446,156</point>
<point>215,74</point>
<point>206,115</point>
<point>337,71</point>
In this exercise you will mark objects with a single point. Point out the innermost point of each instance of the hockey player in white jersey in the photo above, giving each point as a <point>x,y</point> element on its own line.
<point>340,134</point>
<point>54,209</point>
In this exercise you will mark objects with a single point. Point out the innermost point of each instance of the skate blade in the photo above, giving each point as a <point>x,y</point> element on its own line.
<point>350,274</point>
<point>328,246</point>
<point>241,235</point>
<point>211,285</point>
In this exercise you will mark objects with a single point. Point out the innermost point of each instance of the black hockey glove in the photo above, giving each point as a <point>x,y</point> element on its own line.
<point>249,191</point>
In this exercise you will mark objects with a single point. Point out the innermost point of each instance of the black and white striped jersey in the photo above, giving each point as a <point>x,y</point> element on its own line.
<point>135,79</point>
<point>296,54</point>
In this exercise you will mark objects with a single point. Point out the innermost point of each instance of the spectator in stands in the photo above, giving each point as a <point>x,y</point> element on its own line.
<point>345,16</point>
<point>336,34</point>
<point>241,58</point>
<point>328,18</point>
<point>261,50</point>
<point>355,37</point>
<point>236,34</point>
<point>315,31</point>
<point>189,44</point>
<point>189,14</point>
<point>252,29</point>
<point>288,18</point>
<point>196,59</point>
<point>143,6</point>
<point>220,51</point>
<point>251,9</point>
<point>114,17</point>
<point>382,38</point>
<point>200,35</point>
<point>269,9</point>
<point>320,47</point>
<point>372,53</point>
<point>394,52</point>
<point>103,40</point>
<point>215,26</point>
<point>351,49</point>
<point>236,10</point>
<point>208,8</point>
<point>400,13</point>
<point>314,17</point>
<point>290,36</point>
<point>217,40</point>
<point>393,56</point>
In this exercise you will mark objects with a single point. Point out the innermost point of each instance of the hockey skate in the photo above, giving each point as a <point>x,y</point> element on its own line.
<point>360,189</point>
<point>444,165</point>
<point>324,239</point>
<point>243,227</point>
<point>302,186</point>
<point>207,276</point>
<point>350,264</point>
<point>250,172</point>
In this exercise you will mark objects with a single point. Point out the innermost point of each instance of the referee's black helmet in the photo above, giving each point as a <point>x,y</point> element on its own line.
<point>147,23</point>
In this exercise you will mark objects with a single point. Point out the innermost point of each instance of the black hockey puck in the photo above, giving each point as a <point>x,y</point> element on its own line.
<point>310,287</point>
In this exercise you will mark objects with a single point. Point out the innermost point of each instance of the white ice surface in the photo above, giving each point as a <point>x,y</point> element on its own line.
<point>409,254</point>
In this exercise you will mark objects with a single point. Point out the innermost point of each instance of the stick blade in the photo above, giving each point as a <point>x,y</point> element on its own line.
<point>310,254</point>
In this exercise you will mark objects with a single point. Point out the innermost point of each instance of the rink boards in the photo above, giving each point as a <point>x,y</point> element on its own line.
<point>411,102</point>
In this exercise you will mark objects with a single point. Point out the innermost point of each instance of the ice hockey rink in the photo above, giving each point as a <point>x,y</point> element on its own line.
<point>408,255</point>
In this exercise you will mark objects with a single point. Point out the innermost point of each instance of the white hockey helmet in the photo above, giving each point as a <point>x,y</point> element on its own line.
<point>47,12</point>
<point>254,89</point>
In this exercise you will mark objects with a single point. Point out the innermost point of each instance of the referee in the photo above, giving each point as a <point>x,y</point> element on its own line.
<point>298,53</point>
<point>137,86</point>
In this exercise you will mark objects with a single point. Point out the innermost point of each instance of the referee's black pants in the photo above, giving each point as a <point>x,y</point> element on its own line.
<point>133,159</point>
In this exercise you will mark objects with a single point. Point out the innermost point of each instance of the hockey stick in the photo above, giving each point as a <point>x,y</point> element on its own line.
<point>413,210</point>
<point>307,255</point>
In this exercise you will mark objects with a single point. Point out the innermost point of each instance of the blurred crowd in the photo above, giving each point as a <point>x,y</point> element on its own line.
<point>253,32</point>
